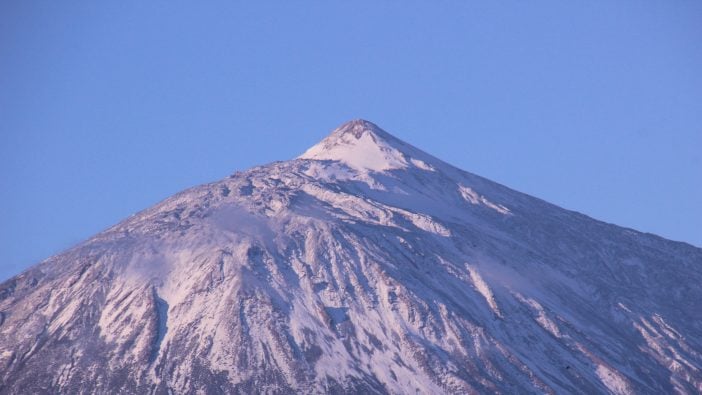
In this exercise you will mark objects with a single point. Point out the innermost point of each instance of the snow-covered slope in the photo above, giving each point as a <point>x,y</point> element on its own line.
<point>363,266</point>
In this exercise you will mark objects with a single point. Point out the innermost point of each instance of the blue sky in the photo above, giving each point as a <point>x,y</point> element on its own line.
<point>108,107</point>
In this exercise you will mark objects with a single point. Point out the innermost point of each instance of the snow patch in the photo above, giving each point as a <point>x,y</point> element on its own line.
<point>422,164</point>
<point>482,287</point>
<point>425,223</point>
<point>541,317</point>
<point>474,198</point>
<point>614,381</point>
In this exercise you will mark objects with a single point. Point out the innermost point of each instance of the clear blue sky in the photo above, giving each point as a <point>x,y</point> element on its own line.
<point>108,107</point>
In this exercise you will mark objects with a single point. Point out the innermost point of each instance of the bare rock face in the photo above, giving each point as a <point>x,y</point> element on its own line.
<point>363,266</point>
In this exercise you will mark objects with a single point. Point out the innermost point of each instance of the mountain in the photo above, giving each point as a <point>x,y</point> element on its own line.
<point>363,266</point>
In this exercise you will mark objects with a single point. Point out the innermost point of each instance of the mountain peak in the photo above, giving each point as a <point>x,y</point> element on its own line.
<point>363,146</point>
<point>357,127</point>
